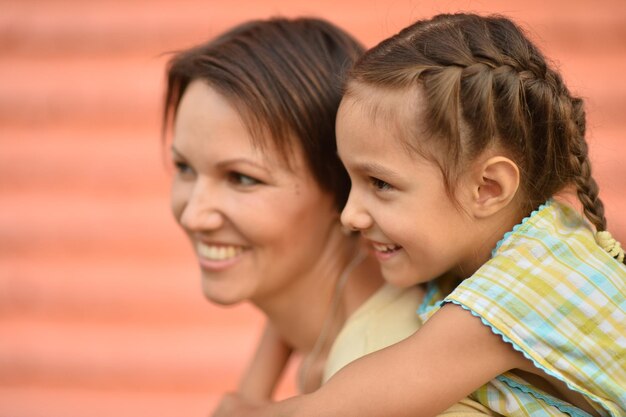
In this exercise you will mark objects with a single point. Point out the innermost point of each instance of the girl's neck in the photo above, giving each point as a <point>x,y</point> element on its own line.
<point>487,233</point>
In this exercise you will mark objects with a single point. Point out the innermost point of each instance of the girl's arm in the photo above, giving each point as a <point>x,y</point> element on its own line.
<point>266,367</point>
<point>452,355</point>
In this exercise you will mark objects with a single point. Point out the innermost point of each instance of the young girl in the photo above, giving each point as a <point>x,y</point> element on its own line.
<point>458,137</point>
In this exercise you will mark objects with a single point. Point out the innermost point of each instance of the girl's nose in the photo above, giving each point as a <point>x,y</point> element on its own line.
<point>354,216</point>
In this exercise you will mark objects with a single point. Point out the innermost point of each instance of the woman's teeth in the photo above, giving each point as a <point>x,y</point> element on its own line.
<point>218,253</point>
<point>385,248</point>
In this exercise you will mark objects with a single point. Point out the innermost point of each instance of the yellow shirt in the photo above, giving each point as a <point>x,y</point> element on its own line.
<point>387,317</point>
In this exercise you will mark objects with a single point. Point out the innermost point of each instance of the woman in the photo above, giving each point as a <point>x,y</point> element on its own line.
<point>258,190</point>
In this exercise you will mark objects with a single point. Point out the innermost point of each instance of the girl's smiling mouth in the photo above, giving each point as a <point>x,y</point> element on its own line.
<point>385,251</point>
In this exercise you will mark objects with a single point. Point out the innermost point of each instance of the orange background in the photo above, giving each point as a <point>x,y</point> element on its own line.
<point>101,311</point>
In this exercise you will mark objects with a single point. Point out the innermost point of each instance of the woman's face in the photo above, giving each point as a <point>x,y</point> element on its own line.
<point>256,225</point>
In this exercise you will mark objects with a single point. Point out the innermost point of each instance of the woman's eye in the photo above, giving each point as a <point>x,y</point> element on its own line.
<point>242,179</point>
<point>182,167</point>
<point>380,184</point>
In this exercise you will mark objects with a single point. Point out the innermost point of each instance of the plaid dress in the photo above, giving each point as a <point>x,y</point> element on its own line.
<point>559,299</point>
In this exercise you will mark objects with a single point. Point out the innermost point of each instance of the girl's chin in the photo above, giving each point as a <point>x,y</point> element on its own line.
<point>400,279</point>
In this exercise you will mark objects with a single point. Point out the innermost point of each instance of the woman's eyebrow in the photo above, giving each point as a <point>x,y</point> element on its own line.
<point>245,161</point>
<point>176,152</point>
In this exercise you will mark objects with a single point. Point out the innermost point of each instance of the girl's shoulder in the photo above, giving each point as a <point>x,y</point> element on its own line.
<point>553,246</point>
<point>557,297</point>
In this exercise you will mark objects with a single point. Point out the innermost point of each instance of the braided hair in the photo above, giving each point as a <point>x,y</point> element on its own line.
<point>487,84</point>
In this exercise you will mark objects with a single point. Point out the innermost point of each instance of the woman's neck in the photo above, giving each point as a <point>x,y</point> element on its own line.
<point>300,312</point>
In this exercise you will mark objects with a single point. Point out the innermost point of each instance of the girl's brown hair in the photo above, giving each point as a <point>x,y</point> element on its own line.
<point>285,78</point>
<point>483,76</point>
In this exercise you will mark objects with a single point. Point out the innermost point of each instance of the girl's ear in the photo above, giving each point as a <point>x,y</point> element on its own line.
<point>494,184</point>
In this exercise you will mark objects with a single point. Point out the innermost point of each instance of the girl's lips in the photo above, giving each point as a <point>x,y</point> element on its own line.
<point>385,251</point>
<point>383,247</point>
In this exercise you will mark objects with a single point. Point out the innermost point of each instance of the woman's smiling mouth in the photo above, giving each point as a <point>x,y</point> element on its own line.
<point>218,252</point>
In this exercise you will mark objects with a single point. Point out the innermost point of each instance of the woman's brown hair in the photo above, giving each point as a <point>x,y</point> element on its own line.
<point>285,78</point>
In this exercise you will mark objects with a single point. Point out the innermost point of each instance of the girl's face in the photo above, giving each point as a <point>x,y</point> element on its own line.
<point>398,200</point>
<point>255,224</point>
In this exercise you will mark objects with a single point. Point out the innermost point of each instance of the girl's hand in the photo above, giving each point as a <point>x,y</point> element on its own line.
<point>233,405</point>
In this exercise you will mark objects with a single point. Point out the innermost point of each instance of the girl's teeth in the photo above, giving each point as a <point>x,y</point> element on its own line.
<point>218,253</point>
<point>384,248</point>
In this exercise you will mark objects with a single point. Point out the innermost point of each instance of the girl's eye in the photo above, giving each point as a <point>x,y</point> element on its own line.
<point>380,185</point>
<point>242,179</point>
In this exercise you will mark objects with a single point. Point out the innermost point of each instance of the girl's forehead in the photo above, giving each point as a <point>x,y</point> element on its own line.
<point>385,105</point>
<point>399,112</point>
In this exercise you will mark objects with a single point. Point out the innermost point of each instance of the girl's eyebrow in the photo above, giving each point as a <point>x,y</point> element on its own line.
<point>376,170</point>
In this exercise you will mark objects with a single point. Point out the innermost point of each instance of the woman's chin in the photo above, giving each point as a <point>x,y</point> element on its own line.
<point>222,296</point>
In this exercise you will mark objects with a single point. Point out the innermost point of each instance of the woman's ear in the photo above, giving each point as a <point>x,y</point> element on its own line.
<point>494,184</point>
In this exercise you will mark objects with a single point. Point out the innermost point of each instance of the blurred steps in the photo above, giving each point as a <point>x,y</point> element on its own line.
<point>99,27</point>
<point>101,309</point>
<point>122,91</point>
<point>122,356</point>
<point>80,402</point>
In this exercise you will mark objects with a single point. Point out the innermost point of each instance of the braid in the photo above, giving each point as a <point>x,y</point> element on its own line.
<point>477,88</point>
<point>586,186</point>
<point>571,125</point>
<point>511,80</point>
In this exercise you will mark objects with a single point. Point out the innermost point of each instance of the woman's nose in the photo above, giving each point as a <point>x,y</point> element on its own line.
<point>354,215</point>
<point>202,211</point>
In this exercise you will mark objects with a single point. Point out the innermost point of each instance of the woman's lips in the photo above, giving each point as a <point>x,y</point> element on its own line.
<point>214,252</point>
<point>217,257</point>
